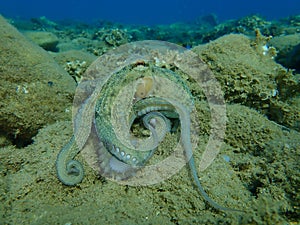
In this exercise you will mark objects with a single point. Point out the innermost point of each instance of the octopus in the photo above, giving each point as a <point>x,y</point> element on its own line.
<point>127,87</point>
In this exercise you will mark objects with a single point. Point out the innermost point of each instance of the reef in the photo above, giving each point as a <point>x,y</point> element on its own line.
<point>113,37</point>
<point>257,170</point>
<point>237,63</point>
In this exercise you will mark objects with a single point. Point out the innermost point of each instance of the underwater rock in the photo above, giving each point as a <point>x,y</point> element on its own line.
<point>74,62</point>
<point>68,46</point>
<point>249,75</point>
<point>246,25</point>
<point>75,44</point>
<point>96,47</point>
<point>246,75</point>
<point>261,178</point>
<point>294,58</point>
<point>43,22</point>
<point>46,40</point>
<point>288,47</point>
<point>4,141</point>
<point>34,89</point>
<point>72,55</point>
<point>210,20</point>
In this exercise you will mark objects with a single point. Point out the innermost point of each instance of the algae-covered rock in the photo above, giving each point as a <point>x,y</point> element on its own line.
<point>288,47</point>
<point>46,40</point>
<point>74,62</point>
<point>246,76</point>
<point>285,43</point>
<point>113,37</point>
<point>77,43</point>
<point>260,176</point>
<point>72,55</point>
<point>34,89</point>
<point>249,75</point>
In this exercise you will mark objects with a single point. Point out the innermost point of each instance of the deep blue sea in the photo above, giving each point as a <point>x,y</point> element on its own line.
<point>147,12</point>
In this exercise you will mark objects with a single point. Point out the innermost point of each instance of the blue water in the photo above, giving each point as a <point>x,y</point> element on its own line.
<point>147,12</point>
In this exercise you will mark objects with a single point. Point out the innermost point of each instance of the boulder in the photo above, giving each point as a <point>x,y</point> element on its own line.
<point>46,40</point>
<point>34,90</point>
<point>249,75</point>
<point>288,48</point>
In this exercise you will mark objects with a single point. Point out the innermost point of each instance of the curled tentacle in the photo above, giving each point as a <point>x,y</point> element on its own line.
<point>158,125</point>
<point>69,171</point>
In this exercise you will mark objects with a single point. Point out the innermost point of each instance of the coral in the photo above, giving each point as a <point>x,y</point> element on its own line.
<point>252,22</point>
<point>76,69</point>
<point>113,37</point>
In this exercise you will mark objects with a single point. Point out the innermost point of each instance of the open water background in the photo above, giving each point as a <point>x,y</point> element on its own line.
<point>146,12</point>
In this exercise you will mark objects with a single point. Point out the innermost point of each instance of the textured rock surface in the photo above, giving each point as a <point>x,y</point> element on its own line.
<point>261,178</point>
<point>238,67</point>
<point>46,40</point>
<point>75,62</point>
<point>68,56</point>
<point>286,46</point>
<point>34,89</point>
<point>249,75</point>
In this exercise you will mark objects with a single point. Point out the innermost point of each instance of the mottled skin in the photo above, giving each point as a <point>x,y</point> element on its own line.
<point>147,98</point>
